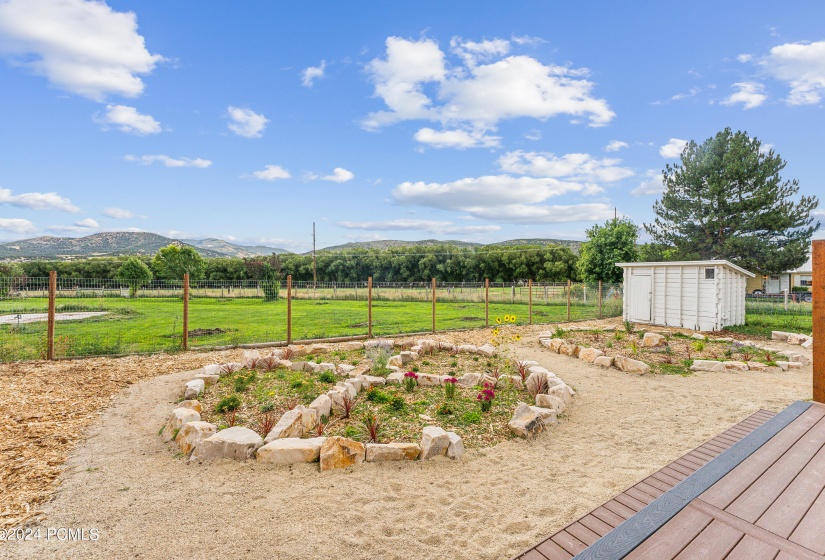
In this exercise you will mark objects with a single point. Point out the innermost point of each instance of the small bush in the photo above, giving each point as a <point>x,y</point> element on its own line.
<point>444,409</point>
<point>398,403</point>
<point>231,402</point>
<point>378,396</point>
<point>699,345</point>
<point>454,363</point>
<point>351,432</point>
<point>471,417</point>
<point>327,377</point>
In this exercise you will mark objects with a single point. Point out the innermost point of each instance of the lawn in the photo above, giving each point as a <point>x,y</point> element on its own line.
<point>155,324</point>
<point>762,318</point>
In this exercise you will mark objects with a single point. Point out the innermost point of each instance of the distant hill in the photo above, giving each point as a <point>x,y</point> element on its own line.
<point>569,243</point>
<point>117,243</point>
<point>234,250</point>
<point>388,243</point>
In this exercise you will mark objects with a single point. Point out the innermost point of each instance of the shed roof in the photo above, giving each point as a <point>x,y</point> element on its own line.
<point>727,264</point>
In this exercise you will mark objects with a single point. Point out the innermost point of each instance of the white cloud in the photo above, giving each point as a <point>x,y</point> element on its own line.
<point>692,92</point>
<point>272,173</point>
<point>87,223</point>
<point>120,213</point>
<point>246,122</point>
<point>460,139</point>
<point>309,75</point>
<point>744,58</point>
<point>527,40</point>
<point>431,226</point>
<point>17,225</point>
<point>127,119</point>
<point>38,201</point>
<point>339,175</point>
<point>533,134</point>
<point>84,226</point>
<point>652,184</point>
<point>79,46</point>
<point>575,167</point>
<point>615,146</point>
<point>501,198</point>
<point>168,161</point>
<point>673,149</point>
<point>481,91</point>
<point>802,67</point>
<point>765,148</point>
<point>750,95</point>
<point>472,52</point>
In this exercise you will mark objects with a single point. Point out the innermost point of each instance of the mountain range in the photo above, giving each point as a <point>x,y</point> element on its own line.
<point>120,243</point>
<point>113,244</point>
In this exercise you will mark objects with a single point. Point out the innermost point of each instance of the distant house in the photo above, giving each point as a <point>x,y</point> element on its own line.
<point>785,281</point>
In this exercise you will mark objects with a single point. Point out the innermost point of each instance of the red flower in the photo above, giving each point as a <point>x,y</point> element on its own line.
<point>411,374</point>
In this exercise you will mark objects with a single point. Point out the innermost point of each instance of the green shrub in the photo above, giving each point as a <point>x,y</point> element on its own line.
<point>471,417</point>
<point>327,377</point>
<point>378,396</point>
<point>444,409</point>
<point>351,432</point>
<point>398,403</point>
<point>232,402</point>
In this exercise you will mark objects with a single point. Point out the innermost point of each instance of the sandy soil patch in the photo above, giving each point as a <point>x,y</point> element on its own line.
<point>122,480</point>
<point>38,317</point>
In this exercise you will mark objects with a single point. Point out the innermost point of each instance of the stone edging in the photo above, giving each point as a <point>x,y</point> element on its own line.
<point>285,444</point>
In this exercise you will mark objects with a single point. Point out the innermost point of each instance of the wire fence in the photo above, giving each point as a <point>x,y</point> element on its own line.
<point>94,317</point>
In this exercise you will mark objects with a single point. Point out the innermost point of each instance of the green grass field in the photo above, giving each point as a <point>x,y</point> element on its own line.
<point>155,324</point>
<point>762,318</point>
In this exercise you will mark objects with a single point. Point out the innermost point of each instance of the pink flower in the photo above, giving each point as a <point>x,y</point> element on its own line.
<point>451,380</point>
<point>411,374</point>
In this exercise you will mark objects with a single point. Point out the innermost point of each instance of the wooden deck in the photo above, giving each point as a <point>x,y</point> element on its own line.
<point>759,496</point>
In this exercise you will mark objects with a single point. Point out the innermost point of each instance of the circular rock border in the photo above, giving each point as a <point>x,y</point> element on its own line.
<point>285,444</point>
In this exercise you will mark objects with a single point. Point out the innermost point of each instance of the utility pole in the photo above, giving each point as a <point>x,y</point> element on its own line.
<point>314,268</point>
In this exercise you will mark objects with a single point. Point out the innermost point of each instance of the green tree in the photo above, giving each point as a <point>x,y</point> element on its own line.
<point>271,282</point>
<point>10,275</point>
<point>173,261</point>
<point>606,245</point>
<point>727,200</point>
<point>135,274</point>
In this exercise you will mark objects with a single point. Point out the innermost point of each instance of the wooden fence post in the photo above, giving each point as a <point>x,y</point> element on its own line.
<point>186,311</point>
<point>50,325</point>
<point>569,283</point>
<point>818,289</point>
<point>487,302</point>
<point>600,299</point>
<point>289,309</point>
<point>433,305</point>
<point>530,301</point>
<point>369,307</point>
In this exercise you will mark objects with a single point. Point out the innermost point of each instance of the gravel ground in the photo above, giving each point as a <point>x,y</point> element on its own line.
<point>147,503</point>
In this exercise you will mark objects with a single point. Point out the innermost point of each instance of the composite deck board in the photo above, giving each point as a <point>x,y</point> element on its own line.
<point>675,536</point>
<point>750,548</point>
<point>606,517</point>
<point>582,533</point>
<point>714,542</point>
<point>810,533</point>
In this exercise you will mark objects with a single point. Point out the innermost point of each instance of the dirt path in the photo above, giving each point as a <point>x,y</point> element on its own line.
<point>146,503</point>
<point>40,317</point>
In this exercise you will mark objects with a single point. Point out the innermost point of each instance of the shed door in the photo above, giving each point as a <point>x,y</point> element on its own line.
<point>640,298</point>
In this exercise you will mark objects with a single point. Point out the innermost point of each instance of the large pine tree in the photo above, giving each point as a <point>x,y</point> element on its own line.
<point>727,200</point>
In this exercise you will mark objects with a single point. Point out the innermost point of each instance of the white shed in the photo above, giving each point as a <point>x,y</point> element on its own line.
<point>697,295</point>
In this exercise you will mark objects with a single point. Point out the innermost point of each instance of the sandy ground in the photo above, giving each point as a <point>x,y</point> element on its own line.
<point>39,317</point>
<point>146,503</point>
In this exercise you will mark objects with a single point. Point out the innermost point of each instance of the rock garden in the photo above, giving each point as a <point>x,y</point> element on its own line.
<point>663,351</point>
<point>380,400</point>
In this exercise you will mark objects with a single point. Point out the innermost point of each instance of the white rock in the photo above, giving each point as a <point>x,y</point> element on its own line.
<point>652,340</point>
<point>590,354</point>
<point>801,359</point>
<point>250,358</point>
<point>208,379</point>
<point>348,388</point>
<point>291,425</point>
<point>309,417</point>
<point>734,365</point>
<point>387,344</point>
<point>176,420</point>
<point>356,382</point>
<point>448,347</point>
<point>299,366</point>
<point>548,415</point>
<point>339,452</point>
<point>604,361</point>
<point>323,404</point>
<point>325,366</point>
<point>192,434</point>
<point>316,349</point>
<point>407,357</point>
<point>525,422</point>
<point>537,382</point>
<point>698,336</point>
<point>382,452</point>
<point>289,451</point>
<point>757,366</point>
<point>345,369</point>
<point>193,404</point>
<point>429,380</point>
<point>707,365</point>
<point>193,388</point>
<point>467,349</point>
<point>456,447</point>
<point>285,364</point>
<point>563,392</point>
<point>236,443</point>
<point>487,350</point>
<point>513,380</point>
<point>555,344</point>
<point>785,366</point>
<point>434,442</point>
<point>808,343</point>
<point>780,335</point>
<point>395,378</point>
<point>211,369</point>
<point>469,379</point>
<point>551,401</point>
<point>396,361</point>
<point>630,365</point>
<point>374,380</point>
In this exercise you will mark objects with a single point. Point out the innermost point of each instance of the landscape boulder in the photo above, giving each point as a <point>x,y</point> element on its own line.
<point>192,434</point>
<point>590,354</point>
<point>289,451</point>
<point>344,369</point>
<point>467,349</point>
<point>736,366</point>
<point>652,340</point>
<point>323,404</point>
<point>395,378</point>
<point>352,345</point>
<point>548,415</point>
<point>536,382</point>
<point>604,361</point>
<point>757,366</point>
<point>193,388</point>
<point>193,404</point>
<point>339,452</point>
<point>211,369</point>
<point>554,402</point>
<point>780,335</point>
<point>250,358</point>
<point>469,379</point>
<point>555,344</point>
<point>236,443</point>
<point>291,425</point>
<point>382,452</point>
<point>434,442</point>
<point>208,379</point>
<point>456,447</point>
<point>429,380</point>
<point>487,350</point>
<point>785,366</point>
<point>707,365</point>
<point>630,365</point>
<point>176,420</point>
<point>526,422</point>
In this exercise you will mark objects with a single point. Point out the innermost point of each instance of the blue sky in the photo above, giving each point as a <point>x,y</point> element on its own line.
<point>478,121</point>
